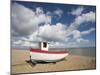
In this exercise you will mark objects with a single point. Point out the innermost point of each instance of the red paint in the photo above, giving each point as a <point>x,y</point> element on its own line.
<point>49,52</point>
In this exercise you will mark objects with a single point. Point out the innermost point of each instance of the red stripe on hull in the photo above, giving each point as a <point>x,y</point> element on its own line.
<point>49,52</point>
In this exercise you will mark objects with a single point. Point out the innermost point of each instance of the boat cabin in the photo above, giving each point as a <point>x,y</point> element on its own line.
<point>44,46</point>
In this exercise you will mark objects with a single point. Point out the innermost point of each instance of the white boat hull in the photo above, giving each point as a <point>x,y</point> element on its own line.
<point>47,57</point>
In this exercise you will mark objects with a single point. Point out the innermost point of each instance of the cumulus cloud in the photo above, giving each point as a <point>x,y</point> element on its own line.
<point>77,34</point>
<point>22,19</point>
<point>31,26</point>
<point>39,10</point>
<point>24,43</point>
<point>87,17</point>
<point>79,40</point>
<point>53,32</point>
<point>77,11</point>
<point>60,32</point>
<point>25,21</point>
<point>57,44</point>
<point>87,31</point>
<point>17,42</point>
<point>58,12</point>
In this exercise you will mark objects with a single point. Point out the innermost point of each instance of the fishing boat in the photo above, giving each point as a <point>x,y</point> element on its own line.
<point>43,54</point>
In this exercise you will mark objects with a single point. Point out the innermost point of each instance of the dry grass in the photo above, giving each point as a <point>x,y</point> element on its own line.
<point>72,62</point>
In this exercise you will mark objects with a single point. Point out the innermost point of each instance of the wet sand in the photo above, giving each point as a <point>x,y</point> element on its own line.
<point>72,62</point>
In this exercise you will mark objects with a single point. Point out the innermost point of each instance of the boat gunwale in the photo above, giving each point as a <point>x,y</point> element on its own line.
<point>48,52</point>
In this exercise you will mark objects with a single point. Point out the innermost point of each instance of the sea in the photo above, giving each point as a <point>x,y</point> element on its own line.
<point>85,51</point>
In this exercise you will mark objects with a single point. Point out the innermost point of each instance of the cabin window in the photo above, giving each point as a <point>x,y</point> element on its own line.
<point>44,44</point>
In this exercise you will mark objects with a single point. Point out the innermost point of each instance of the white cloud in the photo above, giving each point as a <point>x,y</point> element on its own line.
<point>49,13</point>
<point>77,34</point>
<point>57,45</point>
<point>17,42</point>
<point>24,43</point>
<point>87,17</point>
<point>77,11</point>
<point>29,44</point>
<point>79,40</point>
<point>53,32</point>
<point>25,21</point>
<point>22,19</point>
<point>58,12</point>
<point>39,10</point>
<point>87,31</point>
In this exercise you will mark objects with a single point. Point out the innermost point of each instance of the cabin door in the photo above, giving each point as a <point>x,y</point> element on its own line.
<point>44,46</point>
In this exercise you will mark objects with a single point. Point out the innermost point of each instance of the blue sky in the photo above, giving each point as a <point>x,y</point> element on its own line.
<point>64,25</point>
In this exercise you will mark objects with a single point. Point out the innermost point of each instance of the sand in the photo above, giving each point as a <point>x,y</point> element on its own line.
<point>72,62</point>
